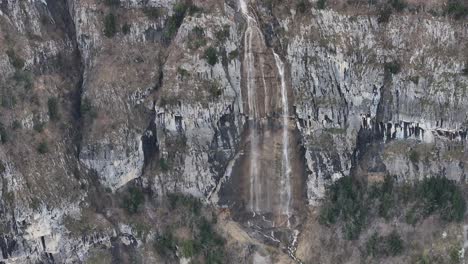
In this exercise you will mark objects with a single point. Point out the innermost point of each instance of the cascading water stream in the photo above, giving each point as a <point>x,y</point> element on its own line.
<point>255,116</point>
<point>286,168</point>
<point>252,108</point>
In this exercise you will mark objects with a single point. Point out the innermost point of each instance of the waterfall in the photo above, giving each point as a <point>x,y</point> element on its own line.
<point>249,62</point>
<point>286,171</point>
<point>261,175</point>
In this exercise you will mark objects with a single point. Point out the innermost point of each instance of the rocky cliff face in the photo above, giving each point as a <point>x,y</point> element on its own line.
<point>391,88</point>
<point>170,97</point>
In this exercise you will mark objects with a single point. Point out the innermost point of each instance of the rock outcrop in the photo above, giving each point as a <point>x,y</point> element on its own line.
<point>97,96</point>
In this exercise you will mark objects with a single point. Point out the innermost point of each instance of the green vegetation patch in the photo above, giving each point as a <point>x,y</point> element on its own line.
<point>53,108</point>
<point>393,67</point>
<point>113,3</point>
<point>23,79</point>
<point>233,54</point>
<point>384,14</point>
<point>351,203</point>
<point>457,9</point>
<point>15,60</point>
<point>179,200</point>
<point>222,34</point>
<point>43,147</point>
<point>346,202</point>
<point>163,164</point>
<point>165,244</point>
<point>384,246</point>
<point>182,72</point>
<point>133,200</point>
<point>180,10</point>
<point>87,109</point>
<point>8,100</point>
<point>211,56</point>
<point>126,29</point>
<point>3,134</point>
<point>197,38</point>
<point>153,12</point>
<point>303,5</point>
<point>321,4</point>
<point>414,156</point>
<point>110,25</point>
<point>202,243</point>
<point>398,5</point>
<point>214,89</point>
<point>439,194</point>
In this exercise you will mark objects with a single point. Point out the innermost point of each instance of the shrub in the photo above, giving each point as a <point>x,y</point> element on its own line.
<point>412,216</point>
<point>398,5</point>
<point>133,200</point>
<point>443,195</point>
<point>233,54</point>
<point>165,245</point>
<point>15,60</point>
<point>182,72</point>
<point>204,244</point>
<point>197,38</point>
<point>413,156</point>
<point>112,2</point>
<point>126,29</point>
<point>198,32</point>
<point>38,126</point>
<point>110,25</point>
<point>348,202</point>
<point>179,200</point>
<point>8,101</point>
<point>152,12</point>
<point>465,70</point>
<point>454,255</point>
<point>24,78</point>
<point>414,79</point>
<point>3,134</point>
<point>223,33</point>
<point>456,9</point>
<point>163,164</point>
<point>193,9</point>
<point>212,242</point>
<point>321,4</point>
<point>393,67</point>
<point>189,248</point>
<point>174,21</point>
<point>211,56</point>
<point>16,125</point>
<point>302,6</point>
<point>394,244</point>
<point>345,200</point>
<point>52,105</point>
<point>43,147</point>
<point>384,14</point>
<point>384,246</point>
<point>455,210</point>
<point>87,109</point>
<point>214,89</point>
